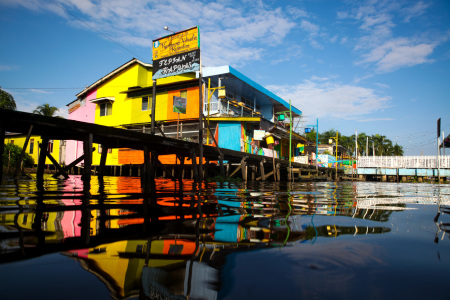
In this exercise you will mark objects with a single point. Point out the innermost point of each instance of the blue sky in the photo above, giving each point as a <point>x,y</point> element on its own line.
<point>372,66</point>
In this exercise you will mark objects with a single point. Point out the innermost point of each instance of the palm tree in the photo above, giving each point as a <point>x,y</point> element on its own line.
<point>45,110</point>
<point>397,150</point>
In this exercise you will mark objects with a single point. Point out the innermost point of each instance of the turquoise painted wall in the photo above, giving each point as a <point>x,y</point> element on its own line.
<point>230,135</point>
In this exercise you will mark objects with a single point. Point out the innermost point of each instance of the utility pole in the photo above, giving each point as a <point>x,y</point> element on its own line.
<point>367,147</point>
<point>437,159</point>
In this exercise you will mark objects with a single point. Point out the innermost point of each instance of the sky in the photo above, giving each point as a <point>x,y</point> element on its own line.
<point>378,67</point>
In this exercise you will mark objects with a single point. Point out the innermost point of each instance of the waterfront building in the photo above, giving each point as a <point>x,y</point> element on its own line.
<point>235,113</point>
<point>56,148</point>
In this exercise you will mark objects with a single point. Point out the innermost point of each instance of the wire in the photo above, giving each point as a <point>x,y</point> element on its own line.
<point>94,29</point>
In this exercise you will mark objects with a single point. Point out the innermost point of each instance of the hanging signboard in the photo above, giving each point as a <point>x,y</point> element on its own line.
<point>179,105</point>
<point>258,135</point>
<point>177,64</point>
<point>176,53</point>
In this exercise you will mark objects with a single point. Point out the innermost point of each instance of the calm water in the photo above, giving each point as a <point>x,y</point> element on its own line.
<point>348,240</point>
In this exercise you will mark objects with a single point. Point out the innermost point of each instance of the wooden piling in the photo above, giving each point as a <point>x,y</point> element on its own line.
<point>2,149</point>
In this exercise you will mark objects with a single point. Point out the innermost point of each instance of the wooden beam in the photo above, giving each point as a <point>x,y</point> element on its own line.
<point>244,168</point>
<point>267,175</point>
<point>56,164</point>
<point>24,148</point>
<point>2,149</point>
<point>87,147</point>
<point>261,169</point>
<point>41,161</point>
<point>103,157</point>
<point>168,173</point>
<point>235,171</point>
<point>222,170</point>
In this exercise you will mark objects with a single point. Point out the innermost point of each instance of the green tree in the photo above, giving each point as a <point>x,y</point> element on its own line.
<point>397,150</point>
<point>7,100</point>
<point>11,155</point>
<point>382,145</point>
<point>45,110</point>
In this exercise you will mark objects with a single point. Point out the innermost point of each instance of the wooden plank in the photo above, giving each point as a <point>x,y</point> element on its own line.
<point>22,154</point>
<point>41,160</point>
<point>56,164</point>
<point>2,149</point>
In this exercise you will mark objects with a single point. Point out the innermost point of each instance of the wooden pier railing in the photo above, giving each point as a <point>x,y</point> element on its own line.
<point>251,166</point>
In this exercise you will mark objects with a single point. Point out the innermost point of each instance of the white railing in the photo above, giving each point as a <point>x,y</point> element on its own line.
<point>403,162</point>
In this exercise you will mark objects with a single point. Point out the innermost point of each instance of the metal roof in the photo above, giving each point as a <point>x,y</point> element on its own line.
<point>237,82</point>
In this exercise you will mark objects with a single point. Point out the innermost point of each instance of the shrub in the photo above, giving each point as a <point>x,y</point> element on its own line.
<point>11,154</point>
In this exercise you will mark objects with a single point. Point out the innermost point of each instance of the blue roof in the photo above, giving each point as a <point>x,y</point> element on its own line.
<point>223,70</point>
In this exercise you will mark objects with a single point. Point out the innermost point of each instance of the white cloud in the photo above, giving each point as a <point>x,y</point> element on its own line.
<point>378,46</point>
<point>375,119</point>
<point>39,91</point>
<point>414,11</point>
<point>309,27</point>
<point>398,53</point>
<point>8,68</point>
<point>26,106</point>
<point>330,99</point>
<point>229,33</point>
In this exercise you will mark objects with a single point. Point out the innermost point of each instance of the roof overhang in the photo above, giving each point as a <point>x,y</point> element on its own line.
<point>112,74</point>
<point>102,99</point>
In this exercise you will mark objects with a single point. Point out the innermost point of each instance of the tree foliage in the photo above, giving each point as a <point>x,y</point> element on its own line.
<point>11,155</point>
<point>7,100</point>
<point>46,110</point>
<point>366,144</point>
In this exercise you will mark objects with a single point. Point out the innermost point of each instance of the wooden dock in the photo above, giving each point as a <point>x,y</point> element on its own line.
<point>229,162</point>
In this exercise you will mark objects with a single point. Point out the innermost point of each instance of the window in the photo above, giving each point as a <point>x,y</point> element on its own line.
<point>31,146</point>
<point>183,94</point>
<point>100,149</point>
<point>105,109</point>
<point>147,103</point>
<point>50,146</point>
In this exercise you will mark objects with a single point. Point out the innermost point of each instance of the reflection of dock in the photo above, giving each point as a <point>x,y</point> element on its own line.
<point>251,166</point>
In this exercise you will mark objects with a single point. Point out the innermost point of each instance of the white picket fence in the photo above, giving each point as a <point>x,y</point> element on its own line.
<point>403,162</point>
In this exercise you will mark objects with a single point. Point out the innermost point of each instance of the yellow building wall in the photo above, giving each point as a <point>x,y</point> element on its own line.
<point>20,141</point>
<point>127,111</point>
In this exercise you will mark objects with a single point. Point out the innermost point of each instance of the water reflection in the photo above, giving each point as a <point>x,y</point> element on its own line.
<point>175,240</point>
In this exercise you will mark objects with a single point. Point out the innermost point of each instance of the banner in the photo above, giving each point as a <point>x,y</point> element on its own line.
<point>258,135</point>
<point>180,42</point>
<point>176,54</point>
<point>177,64</point>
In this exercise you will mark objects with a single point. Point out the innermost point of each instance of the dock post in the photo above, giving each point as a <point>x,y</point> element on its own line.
<point>222,170</point>
<point>154,160</point>
<point>194,167</point>
<point>147,166</point>
<point>2,149</point>
<point>261,169</point>
<point>41,161</point>
<point>101,169</point>
<point>244,168</point>
<point>278,172</point>
<point>87,148</point>
<point>22,154</point>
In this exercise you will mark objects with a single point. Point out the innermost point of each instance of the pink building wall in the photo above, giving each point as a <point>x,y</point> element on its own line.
<point>85,113</point>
